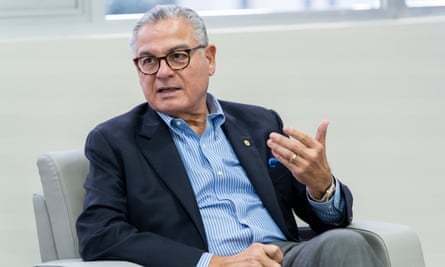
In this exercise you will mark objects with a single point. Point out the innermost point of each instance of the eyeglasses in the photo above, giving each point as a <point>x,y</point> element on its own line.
<point>176,60</point>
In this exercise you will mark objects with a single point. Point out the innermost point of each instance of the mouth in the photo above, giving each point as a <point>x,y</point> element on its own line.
<point>167,89</point>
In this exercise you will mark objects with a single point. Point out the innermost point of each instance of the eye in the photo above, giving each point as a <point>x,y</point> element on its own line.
<point>178,56</point>
<point>146,61</point>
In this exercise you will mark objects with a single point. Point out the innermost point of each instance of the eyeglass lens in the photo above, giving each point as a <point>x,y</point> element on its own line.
<point>176,60</point>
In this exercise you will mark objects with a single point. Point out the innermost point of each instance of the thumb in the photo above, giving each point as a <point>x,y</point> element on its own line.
<point>322,129</point>
<point>273,252</point>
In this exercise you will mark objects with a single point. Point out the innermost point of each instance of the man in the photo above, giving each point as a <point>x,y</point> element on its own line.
<point>189,180</point>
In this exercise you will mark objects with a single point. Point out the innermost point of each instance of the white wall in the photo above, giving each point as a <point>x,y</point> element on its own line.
<point>381,84</point>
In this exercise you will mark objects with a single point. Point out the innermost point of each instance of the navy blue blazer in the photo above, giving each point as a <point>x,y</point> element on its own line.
<point>140,206</point>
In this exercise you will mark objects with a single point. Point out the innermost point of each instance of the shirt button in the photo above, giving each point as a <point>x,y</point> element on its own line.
<point>178,123</point>
<point>220,173</point>
<point>204,145</point>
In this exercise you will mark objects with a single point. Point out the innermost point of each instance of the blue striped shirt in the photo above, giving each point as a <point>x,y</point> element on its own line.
<point>233,215</point>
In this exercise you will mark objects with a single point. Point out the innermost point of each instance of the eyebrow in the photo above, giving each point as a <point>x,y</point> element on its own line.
<point>174,48</point>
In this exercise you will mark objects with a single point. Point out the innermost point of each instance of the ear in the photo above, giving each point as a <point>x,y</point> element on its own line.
<point>211,57</point>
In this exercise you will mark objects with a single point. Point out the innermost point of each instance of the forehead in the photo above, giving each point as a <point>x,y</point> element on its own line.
<point>161,36</point>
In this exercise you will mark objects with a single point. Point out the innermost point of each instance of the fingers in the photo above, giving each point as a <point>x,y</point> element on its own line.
<point>257,254</point>
<point>274,253</point>
<point>291,150</point>
<point>322,130</point>
<point>303,155</point>
<point>285,149</point>
<point>307,140</point>
<point>299,140</point>
<point>266,255</point>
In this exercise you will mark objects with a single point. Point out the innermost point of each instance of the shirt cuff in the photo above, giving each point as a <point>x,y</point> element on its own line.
<point>333,202</point>
<point>331,211</point>
<point>204,260</point>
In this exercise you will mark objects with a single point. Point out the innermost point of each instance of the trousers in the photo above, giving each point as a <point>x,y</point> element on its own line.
<point>334,248</point>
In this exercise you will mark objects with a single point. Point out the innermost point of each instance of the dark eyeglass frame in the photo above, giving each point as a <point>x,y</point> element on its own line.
<point>158,59</point>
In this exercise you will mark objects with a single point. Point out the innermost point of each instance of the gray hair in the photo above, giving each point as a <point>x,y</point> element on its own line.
<point>162,12</point>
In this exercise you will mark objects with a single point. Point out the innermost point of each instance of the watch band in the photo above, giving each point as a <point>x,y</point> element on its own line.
<point>327,194</point>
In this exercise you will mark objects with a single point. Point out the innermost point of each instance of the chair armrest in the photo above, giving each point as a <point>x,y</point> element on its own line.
<point>396,243</point>
<point>80,263</point>
<point>44,231</point>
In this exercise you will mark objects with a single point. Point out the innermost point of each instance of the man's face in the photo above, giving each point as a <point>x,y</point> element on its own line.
<point>178,93</point>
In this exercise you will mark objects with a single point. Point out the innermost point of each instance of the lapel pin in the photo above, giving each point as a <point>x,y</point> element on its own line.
<point>246,142</point>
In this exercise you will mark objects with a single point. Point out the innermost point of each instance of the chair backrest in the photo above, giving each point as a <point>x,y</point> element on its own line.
<point>62,175</point>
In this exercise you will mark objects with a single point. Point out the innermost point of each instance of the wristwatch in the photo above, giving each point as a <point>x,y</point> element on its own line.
<point>327,194</point>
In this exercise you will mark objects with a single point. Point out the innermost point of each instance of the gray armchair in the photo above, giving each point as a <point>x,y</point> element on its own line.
<point>62,175</point>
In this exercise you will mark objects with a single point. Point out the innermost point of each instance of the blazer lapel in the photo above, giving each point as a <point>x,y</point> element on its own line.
<point>158,146</point>
<point>256,170</point>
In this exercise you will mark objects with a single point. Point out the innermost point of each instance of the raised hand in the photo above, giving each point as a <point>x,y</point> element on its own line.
<point>304,156</point>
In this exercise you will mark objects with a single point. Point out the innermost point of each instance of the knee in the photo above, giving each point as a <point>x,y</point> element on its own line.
<point>339,247</point>
<point>349,248</point>
<point>344,238</point>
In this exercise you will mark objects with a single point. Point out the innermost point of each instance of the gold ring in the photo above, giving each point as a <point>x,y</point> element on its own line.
<point>293,158</point>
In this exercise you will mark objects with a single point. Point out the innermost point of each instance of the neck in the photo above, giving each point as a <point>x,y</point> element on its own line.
<point>198,125</point>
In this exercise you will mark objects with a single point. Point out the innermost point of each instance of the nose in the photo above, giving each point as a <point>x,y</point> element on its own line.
<point>164,69</point>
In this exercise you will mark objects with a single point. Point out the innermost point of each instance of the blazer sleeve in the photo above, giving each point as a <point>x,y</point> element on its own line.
<point>293,193</point>
<point>103,228</point>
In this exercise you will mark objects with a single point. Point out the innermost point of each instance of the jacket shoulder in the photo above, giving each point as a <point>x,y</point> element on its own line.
<point>229,106</point>
<point>250,114</point>
<point>124,120</point>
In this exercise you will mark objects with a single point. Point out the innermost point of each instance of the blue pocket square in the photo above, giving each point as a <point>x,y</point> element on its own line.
<point>273,162</point>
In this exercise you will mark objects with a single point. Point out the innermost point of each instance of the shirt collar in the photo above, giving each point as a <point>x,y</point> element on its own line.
<point>216,113</point>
